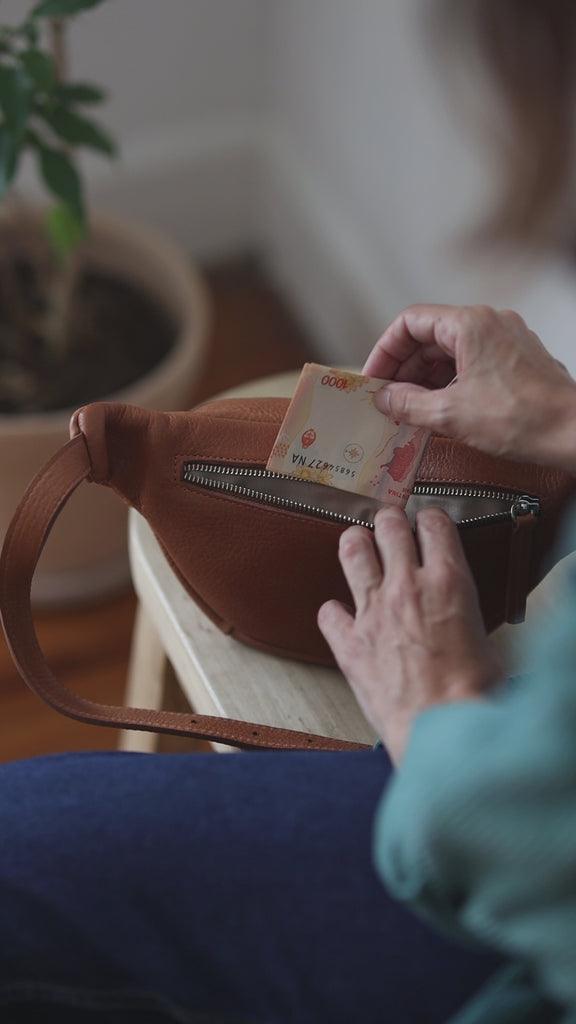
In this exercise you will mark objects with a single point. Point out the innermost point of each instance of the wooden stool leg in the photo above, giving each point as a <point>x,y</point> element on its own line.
<point>146,680</point>
<point>152,683</point>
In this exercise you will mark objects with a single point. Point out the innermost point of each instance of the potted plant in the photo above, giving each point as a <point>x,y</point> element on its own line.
<point>90,307</point>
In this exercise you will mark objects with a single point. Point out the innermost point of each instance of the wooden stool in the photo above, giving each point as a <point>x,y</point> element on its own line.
<point>182,661</point>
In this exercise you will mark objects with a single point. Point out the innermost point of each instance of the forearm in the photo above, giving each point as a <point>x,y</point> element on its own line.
<point>472,831</point>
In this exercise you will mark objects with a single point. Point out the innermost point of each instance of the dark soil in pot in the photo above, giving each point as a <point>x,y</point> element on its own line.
<point>113,335</point>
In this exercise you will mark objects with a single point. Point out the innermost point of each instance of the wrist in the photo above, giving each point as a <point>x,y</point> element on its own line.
<point>396,733</point>
<point>398,727</point>
<point>558,445</point>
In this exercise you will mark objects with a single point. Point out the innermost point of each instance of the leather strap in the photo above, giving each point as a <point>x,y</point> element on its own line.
<point>25,539</point>
<point>519,569</point>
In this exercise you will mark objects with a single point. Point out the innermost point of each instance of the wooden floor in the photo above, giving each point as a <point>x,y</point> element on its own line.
<point>253,334</point>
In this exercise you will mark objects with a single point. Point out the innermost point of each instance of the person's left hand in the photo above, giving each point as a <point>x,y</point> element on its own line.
<point>417,636</point>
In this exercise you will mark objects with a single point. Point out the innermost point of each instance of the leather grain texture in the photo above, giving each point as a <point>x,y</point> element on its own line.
<point>261,573</point>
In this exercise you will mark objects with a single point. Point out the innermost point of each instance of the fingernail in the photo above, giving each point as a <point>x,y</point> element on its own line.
<point>382,400</point>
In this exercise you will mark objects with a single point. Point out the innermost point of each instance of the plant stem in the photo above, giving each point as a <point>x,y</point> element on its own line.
<point>57,30</point>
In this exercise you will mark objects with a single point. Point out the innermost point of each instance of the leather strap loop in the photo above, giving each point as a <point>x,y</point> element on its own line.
<point>25,539</point>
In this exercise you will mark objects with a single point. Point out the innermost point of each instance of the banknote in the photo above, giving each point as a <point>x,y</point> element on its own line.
<point>333,434</point>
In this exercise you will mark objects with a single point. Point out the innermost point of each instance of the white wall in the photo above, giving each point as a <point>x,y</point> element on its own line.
<point>320,130</point>
<point>376,175</point>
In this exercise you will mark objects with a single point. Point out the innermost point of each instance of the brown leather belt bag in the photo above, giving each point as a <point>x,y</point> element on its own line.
<point>256,551</point>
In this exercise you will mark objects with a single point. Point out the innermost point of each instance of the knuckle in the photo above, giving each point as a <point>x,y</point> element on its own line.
<point>445,582</point>
<point>402,590</point>
<point>482,311</point>
<point>353,540</point>
<point>390,521</point>
<point>445,571</point>
<point>445,413</point>
<point>435,518</point>
<point>468,321</point>
<point>480,319</point>
<point>512,319</point>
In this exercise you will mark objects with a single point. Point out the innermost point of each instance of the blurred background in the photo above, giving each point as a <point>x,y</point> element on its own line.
<point>333,138</point>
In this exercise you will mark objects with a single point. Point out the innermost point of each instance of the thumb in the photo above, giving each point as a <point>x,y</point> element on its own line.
<point>410,403</point>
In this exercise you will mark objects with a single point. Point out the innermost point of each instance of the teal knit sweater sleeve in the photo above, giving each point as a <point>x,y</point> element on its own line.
<point>478,829</point>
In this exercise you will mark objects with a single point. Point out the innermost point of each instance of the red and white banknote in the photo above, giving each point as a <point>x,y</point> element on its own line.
<point>333,434</point>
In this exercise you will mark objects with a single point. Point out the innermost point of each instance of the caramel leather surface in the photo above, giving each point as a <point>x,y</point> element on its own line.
<point>261,573</point>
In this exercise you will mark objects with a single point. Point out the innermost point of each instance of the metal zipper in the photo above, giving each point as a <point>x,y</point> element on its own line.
<point>467,505</point>
<point>476,504</point>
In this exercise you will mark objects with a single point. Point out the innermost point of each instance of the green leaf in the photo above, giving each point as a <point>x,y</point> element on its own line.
<point>63,8</point>
<point>30,31</point>
<point>32,139</point>
<point>65,228</point>
<point>9,153</point>
<point>79,92</point>
<point>78,130</point>
<point>61,177</point>
<point>40,67</point>
<point>16,94</point>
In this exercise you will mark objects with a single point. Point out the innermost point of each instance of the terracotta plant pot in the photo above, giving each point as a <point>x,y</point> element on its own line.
<point>86,556</point>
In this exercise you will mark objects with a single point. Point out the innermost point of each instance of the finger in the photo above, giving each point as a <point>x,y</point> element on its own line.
<point>439,540</point>
<point>417,368</point>
<point>335,621</point>
<point>395,541</point>
<point>441,374</point>
<point>360,564</point>
<point>418,406</point>
<point>414,329</point>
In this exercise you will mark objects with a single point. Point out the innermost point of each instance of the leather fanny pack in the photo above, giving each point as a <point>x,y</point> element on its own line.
<point>257,551</point>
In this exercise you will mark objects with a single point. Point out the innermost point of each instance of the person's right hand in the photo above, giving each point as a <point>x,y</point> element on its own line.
<point>511,397</point>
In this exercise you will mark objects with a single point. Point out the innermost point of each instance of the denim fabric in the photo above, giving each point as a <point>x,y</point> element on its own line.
<point>234,888</point>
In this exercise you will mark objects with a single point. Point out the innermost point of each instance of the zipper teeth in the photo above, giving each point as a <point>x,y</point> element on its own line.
<point>195,473</point>
<point>470,491</point>
<point>198,468</point>
<point>193,477</point>
<point>464,491</point>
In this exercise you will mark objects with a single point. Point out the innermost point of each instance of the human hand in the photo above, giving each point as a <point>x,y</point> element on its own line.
<point>511,398</point>
<point>417,638</point>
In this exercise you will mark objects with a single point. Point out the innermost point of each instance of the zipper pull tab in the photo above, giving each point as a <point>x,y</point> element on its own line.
<point>525,506</point>
<point>524,512</point>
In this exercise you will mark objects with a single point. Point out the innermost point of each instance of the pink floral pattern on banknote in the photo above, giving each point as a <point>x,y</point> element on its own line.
<point>333,434</point>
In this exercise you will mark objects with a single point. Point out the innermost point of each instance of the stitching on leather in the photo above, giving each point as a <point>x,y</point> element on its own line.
<point>239,460</point>
<point>461,479</point>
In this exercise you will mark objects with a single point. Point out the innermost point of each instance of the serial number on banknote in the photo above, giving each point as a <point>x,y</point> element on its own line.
<point>302,461</point>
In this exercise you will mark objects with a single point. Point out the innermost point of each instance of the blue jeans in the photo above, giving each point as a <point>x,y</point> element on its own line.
<point>236,888</point>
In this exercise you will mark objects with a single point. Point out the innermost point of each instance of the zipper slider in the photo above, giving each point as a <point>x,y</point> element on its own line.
<point>525,506</point>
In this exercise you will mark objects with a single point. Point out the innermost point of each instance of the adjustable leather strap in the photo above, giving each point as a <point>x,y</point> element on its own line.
<point>30,527</point>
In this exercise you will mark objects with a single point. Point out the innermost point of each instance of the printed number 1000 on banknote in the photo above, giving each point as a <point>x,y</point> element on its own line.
<point>333,434</point>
